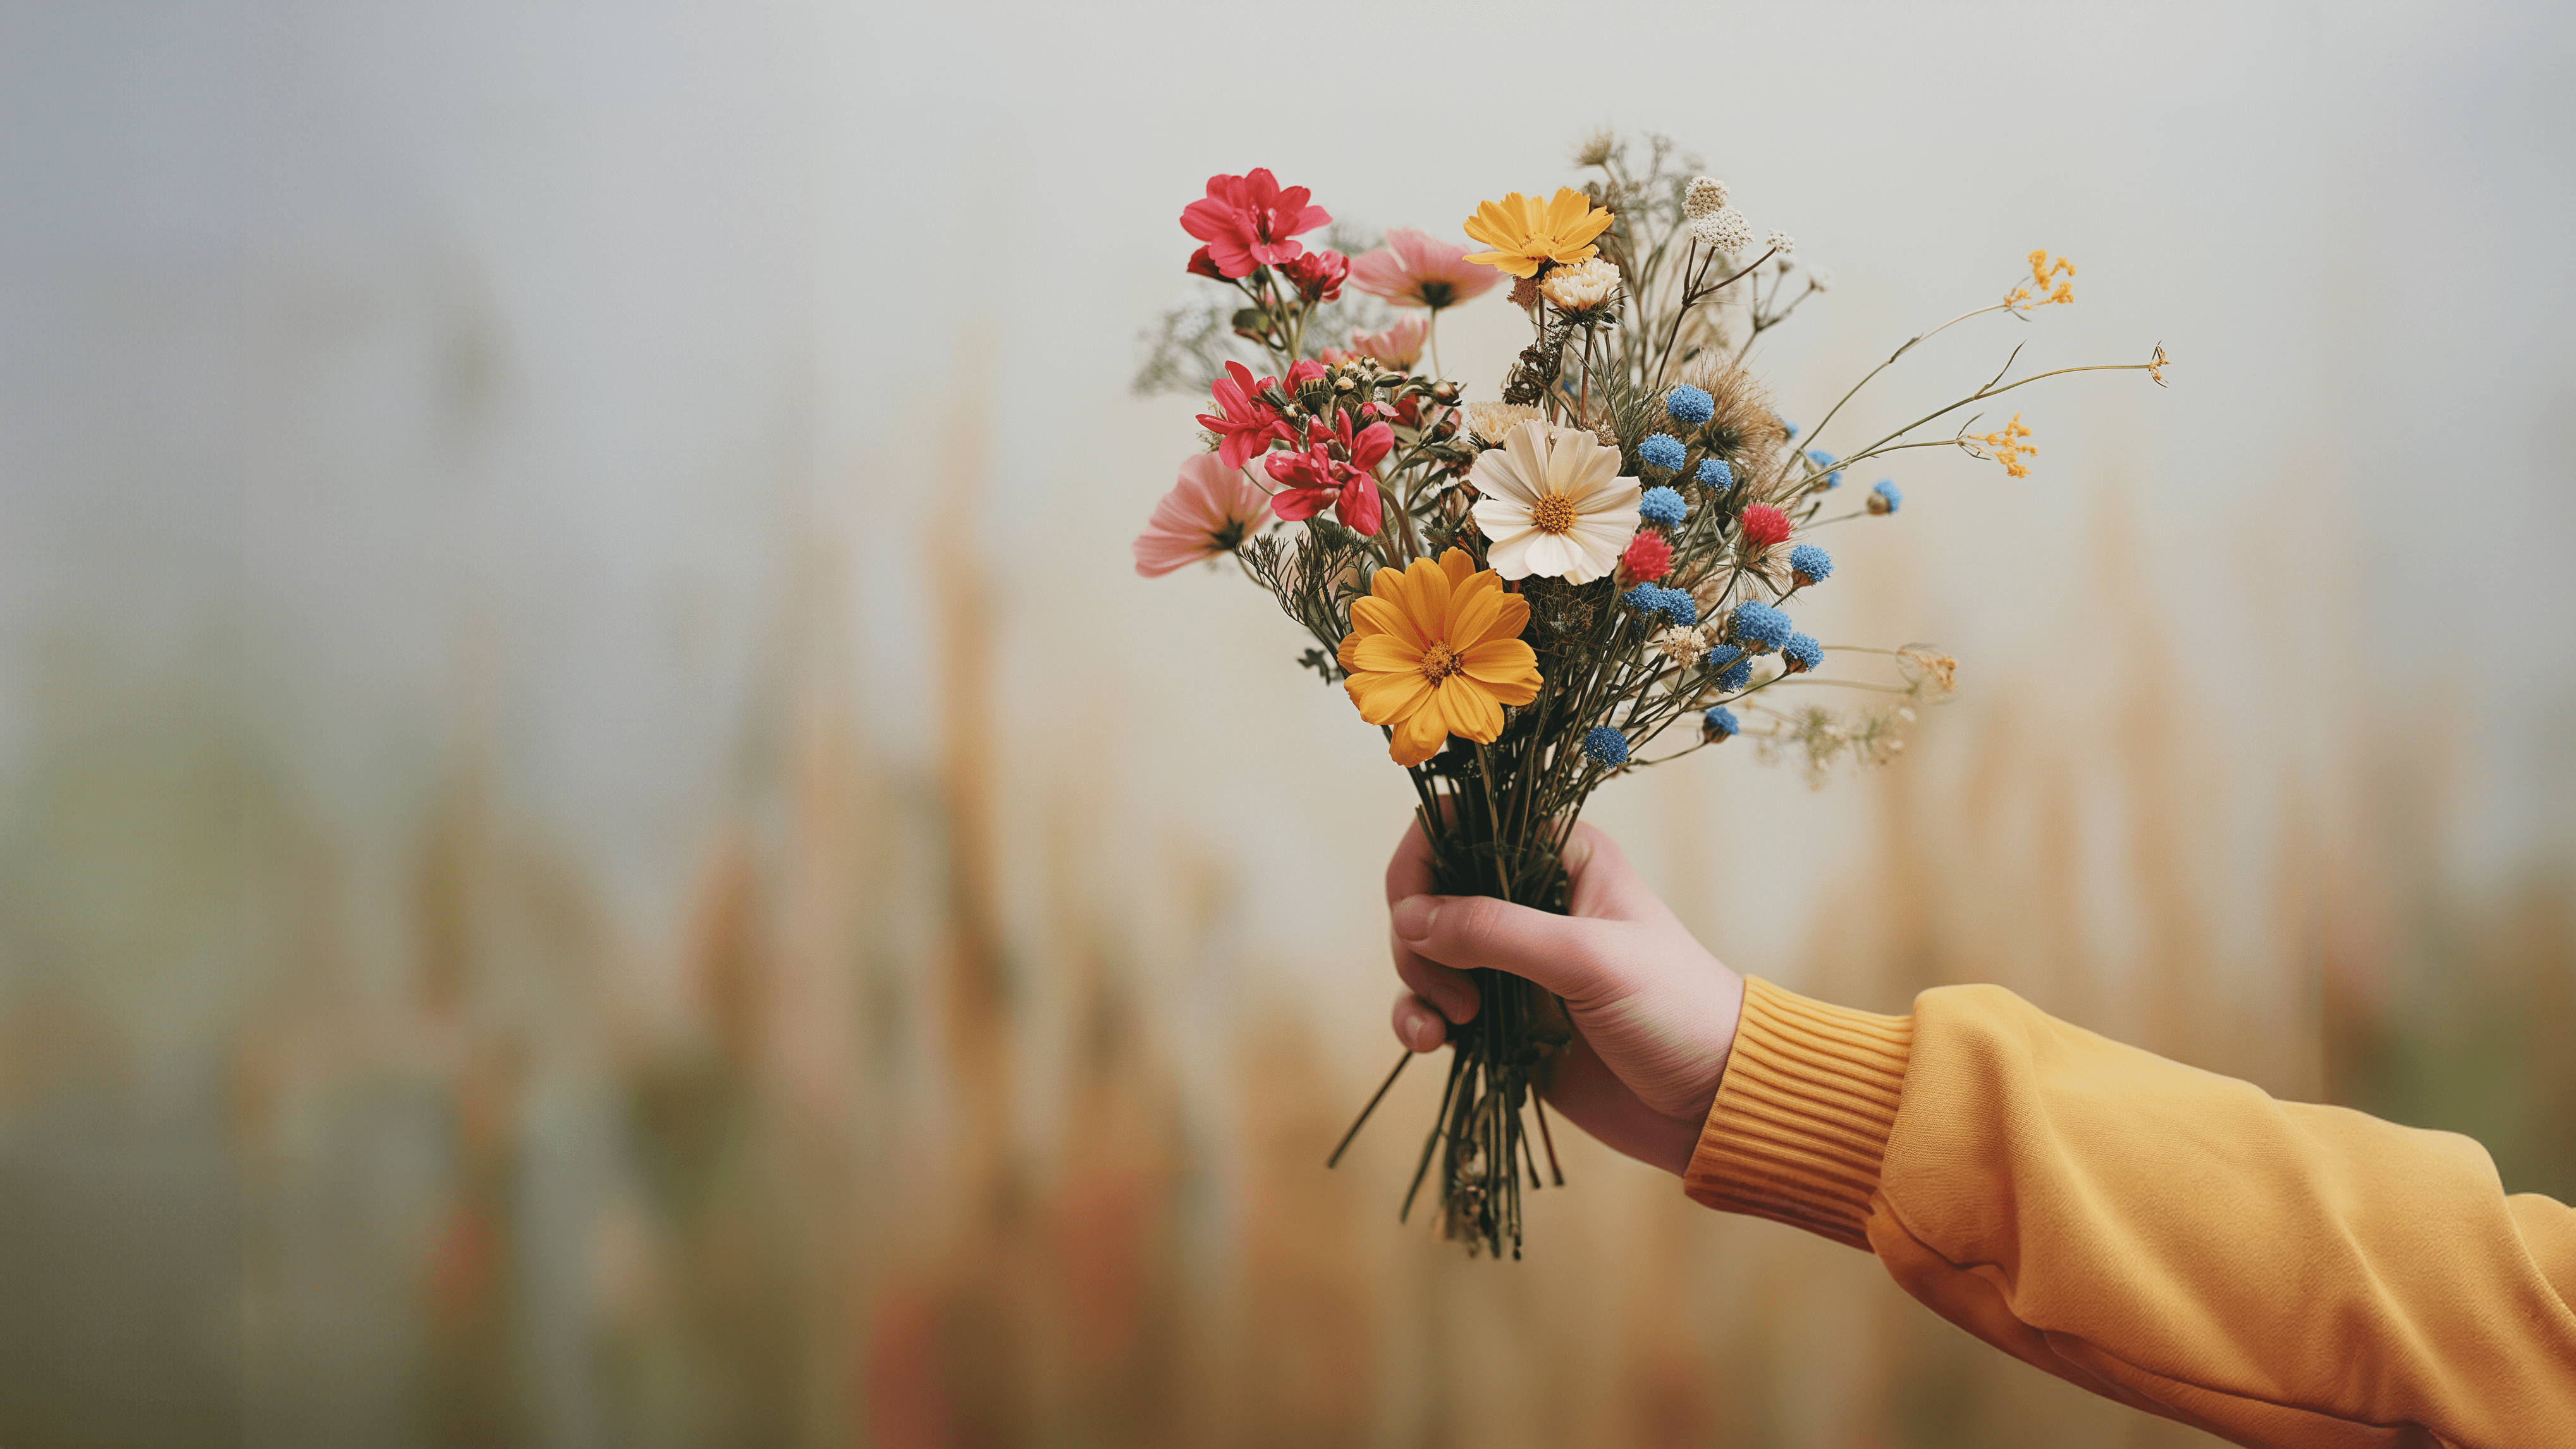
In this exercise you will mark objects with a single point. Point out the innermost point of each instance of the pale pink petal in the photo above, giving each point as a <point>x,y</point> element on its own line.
<point>1209,503</point>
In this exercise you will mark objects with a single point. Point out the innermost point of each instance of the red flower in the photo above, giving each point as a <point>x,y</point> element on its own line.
<point>1245,425</point>
<point>1318,275</point>
<point>1764,526</point>
<point>1648,558</point>
<point>1202,264</point>
<point>1336,469</point>
<point>1247,221</point>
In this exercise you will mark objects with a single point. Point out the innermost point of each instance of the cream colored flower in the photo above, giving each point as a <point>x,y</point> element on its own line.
<point>1681,646</point>
<point>1554,504</point>
<point>1724,229</point>
<point>1782,242</point>
<point>1492,422</point>
<point>1706,195</point>
<point>1581,287</point>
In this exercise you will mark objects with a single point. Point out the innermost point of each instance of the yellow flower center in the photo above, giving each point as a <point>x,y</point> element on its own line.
<point>1439,662</point>
<point>1554,514</point>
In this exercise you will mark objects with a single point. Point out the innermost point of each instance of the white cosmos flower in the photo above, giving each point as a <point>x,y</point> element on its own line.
<point>1554,504</point>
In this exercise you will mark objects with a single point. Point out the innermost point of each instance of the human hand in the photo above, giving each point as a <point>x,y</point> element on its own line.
<point>1654,1013</point>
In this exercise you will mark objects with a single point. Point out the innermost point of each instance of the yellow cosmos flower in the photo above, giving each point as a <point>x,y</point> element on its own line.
<point>1435,651</point>
<point>1525,232</point>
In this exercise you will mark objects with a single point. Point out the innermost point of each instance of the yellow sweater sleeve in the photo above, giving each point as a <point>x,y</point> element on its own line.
<point>2273,1272</point>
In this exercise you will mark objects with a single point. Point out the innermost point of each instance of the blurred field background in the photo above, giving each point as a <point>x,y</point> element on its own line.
<point>599,847</point>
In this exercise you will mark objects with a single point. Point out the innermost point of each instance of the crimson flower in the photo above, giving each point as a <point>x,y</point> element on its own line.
<point>1764,526</point>
<point>1648,558</point>
<point>1247,221</point>
<point>1203,264</point>
<point>1337,470</point>
<point>1318,275</point>
<point>1245,425</point>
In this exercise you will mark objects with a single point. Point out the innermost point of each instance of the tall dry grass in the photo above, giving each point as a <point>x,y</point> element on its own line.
<point>893,1146</point>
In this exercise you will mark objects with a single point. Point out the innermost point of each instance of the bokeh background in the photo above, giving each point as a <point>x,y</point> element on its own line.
<point>598,845</point>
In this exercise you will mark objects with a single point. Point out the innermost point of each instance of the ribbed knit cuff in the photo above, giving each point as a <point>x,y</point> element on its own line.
<point>1802,1116</point>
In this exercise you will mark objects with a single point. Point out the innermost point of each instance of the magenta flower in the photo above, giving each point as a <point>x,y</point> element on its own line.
<point>1211,510</point>
<point>1245,425</point>
<point>1417,269</point>
<point>1247,221</point>
<point>1336,470</point>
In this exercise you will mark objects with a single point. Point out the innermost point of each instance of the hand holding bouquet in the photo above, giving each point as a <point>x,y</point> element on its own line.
<point>1529,595</point>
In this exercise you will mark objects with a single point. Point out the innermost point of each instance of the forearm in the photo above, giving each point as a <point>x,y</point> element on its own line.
<point>2274,1272</point>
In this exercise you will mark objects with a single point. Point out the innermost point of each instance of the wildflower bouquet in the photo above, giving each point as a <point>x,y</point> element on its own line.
<point>1533,593</point>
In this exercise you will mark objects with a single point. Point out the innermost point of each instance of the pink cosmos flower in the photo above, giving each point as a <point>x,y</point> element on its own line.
<point>1247,221</point>
<point>1399,346</point>
<point>1211,510</point>
<point>1335,470</point>
<point>1417,269</point>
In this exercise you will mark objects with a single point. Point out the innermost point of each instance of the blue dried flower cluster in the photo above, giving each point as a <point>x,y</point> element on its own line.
<point>1663,450</point>
<point>1674,604</point>
<point>1824,462</point>
<point>1720,723</point>
<point>1759,626</point>
<point>1715,473</point>
<point>1804,654</point>
<point>1690,405</point>
<point>1607,747</point>
<point>1787,428</point>
<point>1736,675</point>
<point>1884,497</point>
<point>1811,564</point>
<point>1663,507</point>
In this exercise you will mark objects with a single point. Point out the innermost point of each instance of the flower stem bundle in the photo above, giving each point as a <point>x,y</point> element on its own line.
<point>1530,594</point>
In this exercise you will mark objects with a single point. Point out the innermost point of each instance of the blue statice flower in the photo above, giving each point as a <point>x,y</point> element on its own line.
<point>1674,604</point>
<point>1607,747</point>
<point>1690,405</point>
<point>1810,564</point>
<point>1824,462</point>
<point>1884,497</point>
<point>1663,450</point>
<point>1787,428</point>
<point>1715,473</point>
<point>1662,507</point>
<point>1720,723</point>
<point>1736,675</point>
<point>1759,627</point>
<point>1802,653</point>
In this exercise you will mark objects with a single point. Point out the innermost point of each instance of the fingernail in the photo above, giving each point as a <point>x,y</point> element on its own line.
<point>1425,1035</point>
<point>1413,917</point>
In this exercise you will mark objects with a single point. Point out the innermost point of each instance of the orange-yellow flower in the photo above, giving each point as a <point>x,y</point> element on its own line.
<point>1435,651</point>
<point>1526,233</point>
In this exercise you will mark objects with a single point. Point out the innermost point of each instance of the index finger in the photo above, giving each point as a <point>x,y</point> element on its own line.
<point>1409,872</point>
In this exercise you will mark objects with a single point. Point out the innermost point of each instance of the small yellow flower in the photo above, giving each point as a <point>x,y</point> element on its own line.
<point>2039,293</point>
<point>2005,446</point>
<point>1527,233</point>
<point>1436,651</point>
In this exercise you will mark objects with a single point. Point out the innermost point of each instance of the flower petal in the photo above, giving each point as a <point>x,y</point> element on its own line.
<point>1469,712</point>
<point>1508,620</point>
<point>1498,473</point>
<point>1380,653</point>
<point>1509,555</point>
<point>1418,737</point>
<point>1507,666</point>
<point>1385,699</point>
<point>1385,616</point>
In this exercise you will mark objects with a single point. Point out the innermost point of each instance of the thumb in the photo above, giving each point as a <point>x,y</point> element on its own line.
<point>1571,956</point>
